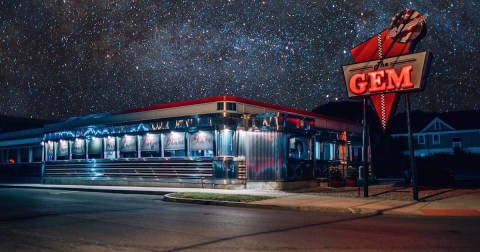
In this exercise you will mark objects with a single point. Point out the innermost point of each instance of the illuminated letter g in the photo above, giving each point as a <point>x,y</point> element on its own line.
<point>357,84</point>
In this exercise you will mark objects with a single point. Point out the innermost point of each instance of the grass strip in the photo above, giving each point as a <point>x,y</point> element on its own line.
<point>219,196</point>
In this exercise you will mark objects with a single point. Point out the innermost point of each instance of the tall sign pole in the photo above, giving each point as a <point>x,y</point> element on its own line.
<point>411,150</point>
<point>385,67</point>
<point>365,150</point>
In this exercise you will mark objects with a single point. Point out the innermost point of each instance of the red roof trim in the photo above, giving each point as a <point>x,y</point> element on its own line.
<point>233,99</point>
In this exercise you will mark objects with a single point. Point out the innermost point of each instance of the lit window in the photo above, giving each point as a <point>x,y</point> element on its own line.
<point>201,144</point>
<point>95,148</point>
<point>299,148</point>
<point>150,145</point>
<point>174,144</point>
<point>318,149</point>
<point>78,149</point>
<point>50,150</point>
<point>62,150</point>
<point>128,146</point>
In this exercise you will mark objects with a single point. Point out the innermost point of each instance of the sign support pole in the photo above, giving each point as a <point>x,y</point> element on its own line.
<point>411,150</point>
<point>365,150</point>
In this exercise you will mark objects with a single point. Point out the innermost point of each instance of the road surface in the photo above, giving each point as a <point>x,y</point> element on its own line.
<point>56,220</point>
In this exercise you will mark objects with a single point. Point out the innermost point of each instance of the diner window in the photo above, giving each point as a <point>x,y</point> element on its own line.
<point>62,150</point>
<point>299,148</point>
<point>78,149</point>
<point>232,106</point>
<point>128,147</point>
<point>25,154</point>
<point>200,144</point>
<point>50,151</point>
<point>436,139</point>
<point>354,153</point>
<point>37,154</point>
<point>225,143</point>
<point>110,147</point>
<point>95,148</point>
<point>329,152</point>
<point>318,150</point>
<point>150,145</point>
<point>359,154</point>
<point>173,144</point>
<point>12,156</point>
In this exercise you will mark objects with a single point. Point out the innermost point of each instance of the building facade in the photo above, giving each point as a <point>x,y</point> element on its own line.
<point>445,133</point>
<point>210,142</point>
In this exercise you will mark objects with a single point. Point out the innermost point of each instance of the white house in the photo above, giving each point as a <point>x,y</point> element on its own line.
<point>443,132</point>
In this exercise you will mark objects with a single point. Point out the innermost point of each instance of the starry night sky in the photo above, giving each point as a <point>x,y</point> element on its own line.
<point>69,58</point>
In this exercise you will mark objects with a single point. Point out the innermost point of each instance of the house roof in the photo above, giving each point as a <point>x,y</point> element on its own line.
<point>459,120</point>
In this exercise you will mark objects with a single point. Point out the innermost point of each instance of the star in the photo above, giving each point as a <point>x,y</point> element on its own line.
<point>61,59</point>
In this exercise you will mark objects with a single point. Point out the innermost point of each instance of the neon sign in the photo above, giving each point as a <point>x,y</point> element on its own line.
<point>395,74</point>
<point>406,26</point>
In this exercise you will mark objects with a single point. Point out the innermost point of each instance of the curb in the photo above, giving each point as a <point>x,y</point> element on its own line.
<point>170,198</point>
<point>112,190</point>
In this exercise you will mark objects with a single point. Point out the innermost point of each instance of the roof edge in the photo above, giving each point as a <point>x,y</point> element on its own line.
<point>233,99</point>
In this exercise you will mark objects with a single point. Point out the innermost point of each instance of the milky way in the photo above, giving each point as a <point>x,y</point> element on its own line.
<point>69,58</point>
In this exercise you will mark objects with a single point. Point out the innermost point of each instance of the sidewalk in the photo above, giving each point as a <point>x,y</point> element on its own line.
<point>465,202</point>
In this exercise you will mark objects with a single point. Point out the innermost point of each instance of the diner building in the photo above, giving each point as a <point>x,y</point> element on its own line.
<point>216,142</point>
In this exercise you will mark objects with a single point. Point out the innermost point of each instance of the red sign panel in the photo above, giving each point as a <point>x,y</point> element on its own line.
<point>384,71</point>
<point>394,74</point>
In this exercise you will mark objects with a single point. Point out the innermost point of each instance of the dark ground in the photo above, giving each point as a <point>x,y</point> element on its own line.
<point>398,190</point>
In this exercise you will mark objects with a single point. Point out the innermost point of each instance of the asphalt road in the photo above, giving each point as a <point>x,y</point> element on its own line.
<point>55,220</point>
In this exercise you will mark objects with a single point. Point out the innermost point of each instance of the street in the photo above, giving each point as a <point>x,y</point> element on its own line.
<point>57,220</point>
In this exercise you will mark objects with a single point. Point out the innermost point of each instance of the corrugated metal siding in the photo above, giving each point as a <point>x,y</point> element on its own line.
<point>265,155</point>
<point>155,169</point>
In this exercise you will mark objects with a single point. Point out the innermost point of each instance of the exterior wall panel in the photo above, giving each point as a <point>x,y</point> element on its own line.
<point>265,155</point>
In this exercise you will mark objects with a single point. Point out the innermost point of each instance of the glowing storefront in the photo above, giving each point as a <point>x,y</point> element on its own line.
<point>211,142</point>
